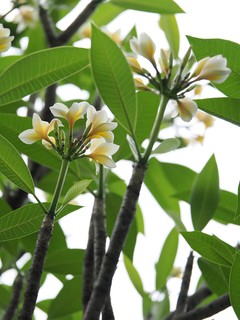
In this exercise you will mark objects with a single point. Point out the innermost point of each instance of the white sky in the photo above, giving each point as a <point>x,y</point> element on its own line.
<point>206,19</point>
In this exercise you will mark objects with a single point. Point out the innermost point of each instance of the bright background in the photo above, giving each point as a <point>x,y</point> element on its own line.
<point>203,19</point>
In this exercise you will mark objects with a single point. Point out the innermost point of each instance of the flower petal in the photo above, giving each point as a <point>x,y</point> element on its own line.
<point>59,110</point>
<point>29,136</point>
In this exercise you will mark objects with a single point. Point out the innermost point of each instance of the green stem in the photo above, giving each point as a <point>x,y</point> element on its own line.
<point>40,203</point>
<point>59,186</point>
<point>101,182</point>
<point>156,127</point>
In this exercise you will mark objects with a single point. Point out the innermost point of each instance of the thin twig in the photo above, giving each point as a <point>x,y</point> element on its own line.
<point>126,214</point>
<point>48,26</point>
<point>16,294</point>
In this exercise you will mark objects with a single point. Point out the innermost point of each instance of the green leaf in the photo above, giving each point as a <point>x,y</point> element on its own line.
<point>166,259</point>
<point>134,275</point>
<point>168,24</point>
<point>14,168</point>
<point>105,13</point>
<point>167,146</point>
<point>66,261</point>
<point>205,195</point>
<point>114,79</point>
<point>224,108</point>
<point>210,247</point>
<point>210,47</point>
<point>237,215</point>
<point>234,285</point>
<point>156,6</point>
<point>68,300</point>
<point>77,189</point>
<point>214,276</point>
<point>26,220</point>
<point>5,296</point>
<point>39,70</point>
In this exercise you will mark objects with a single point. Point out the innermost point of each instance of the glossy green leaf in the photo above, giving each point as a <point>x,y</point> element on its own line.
<point>167,146</point>
<point>77,189</point>
<point>166,259</point>
<point>105,13</point>
<point>168,24</point>
<point>156,6</point>
<point>224,108</point>
<point>234,285</point>
<point>26,220</point>
<point>13,167</point>
<point>210,247</point>
<point>205,195</point>
<point>39,70</point>
<point>68,300</point>
<point>114,79</point>
<point>214,276</point>
<point>66,261</point>
<point>210,47</point>
<point>134,275</point>
<point>226,208</point>
<point>237,215</point>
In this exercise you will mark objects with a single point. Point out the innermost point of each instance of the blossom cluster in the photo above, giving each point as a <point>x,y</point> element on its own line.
<point>175,81</point>
<point>96,142</point>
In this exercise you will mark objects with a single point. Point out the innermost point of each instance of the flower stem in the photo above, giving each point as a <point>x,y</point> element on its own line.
<point>59,186</point>
<point>156,127</point>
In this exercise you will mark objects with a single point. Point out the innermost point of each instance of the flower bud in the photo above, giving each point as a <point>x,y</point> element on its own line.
<point>135,66</point>
<point>144,46</point>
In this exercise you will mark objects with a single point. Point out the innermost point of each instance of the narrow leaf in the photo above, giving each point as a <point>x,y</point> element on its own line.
<point>205,195</point>
<point>13,167</point>
<point>168,24</point>
<point>39,70</point>
<point>77,189</point>
<point>234,285</point>
<point>26,220</point>
<point>166,260</point>
<point>167,146</point>
<point>210,247</point>
<point>156,6</point>
<point>114,79</point>
<point>224,108</point>
<point>134,275</point>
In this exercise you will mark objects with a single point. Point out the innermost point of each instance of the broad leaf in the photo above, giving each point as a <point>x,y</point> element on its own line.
<point>13,167</point>
<point>134,275</point>
<point>167,146</point>
<point>168,24</point>
<point>114,79</point>
<point>225,108</point>
<point>68,300</point>
<point>105,13</point>
<point>210,247</point>
<point>156,6</point>
<point>205,195</point>
<point>26,220</point>
<point>39,70</point>
<point>166,259</point>
<point>234,285</point>
<point>210,47</point>
<point>66,261</point>
<point>77,189</point>
<point>238,203</point>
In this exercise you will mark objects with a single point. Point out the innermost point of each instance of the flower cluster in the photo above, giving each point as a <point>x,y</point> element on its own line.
<point>175,81</point>
<point>5,39</point>
<point>96,142</point>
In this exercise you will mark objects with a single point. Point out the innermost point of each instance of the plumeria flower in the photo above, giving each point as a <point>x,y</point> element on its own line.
<point>186,108</point>
<point>100,151</point>
<point>144,46</point>
<point>212,69</point>
<point>100,124</point>
<point>40,131</point>
<point>25,17</point>
<point>5,38</point>
<point>75,112</point>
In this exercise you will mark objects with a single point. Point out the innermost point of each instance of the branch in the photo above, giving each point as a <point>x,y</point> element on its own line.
<point>182,299</point>
<point>35,272</point>
<point>198,297</point>
<point>48,27</point>
<point>126,214</point>
<point>13,305</point>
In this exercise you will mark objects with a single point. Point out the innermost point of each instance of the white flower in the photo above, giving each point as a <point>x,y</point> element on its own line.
<point>101,151</point>
<point>186,108</point>
<point>101,125</point>
<point>75,112</point>
<point>40,131</point>
<point>26,17</point>
<point>212,69</point>
<point>144,46</point>
<point>5,38</point>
